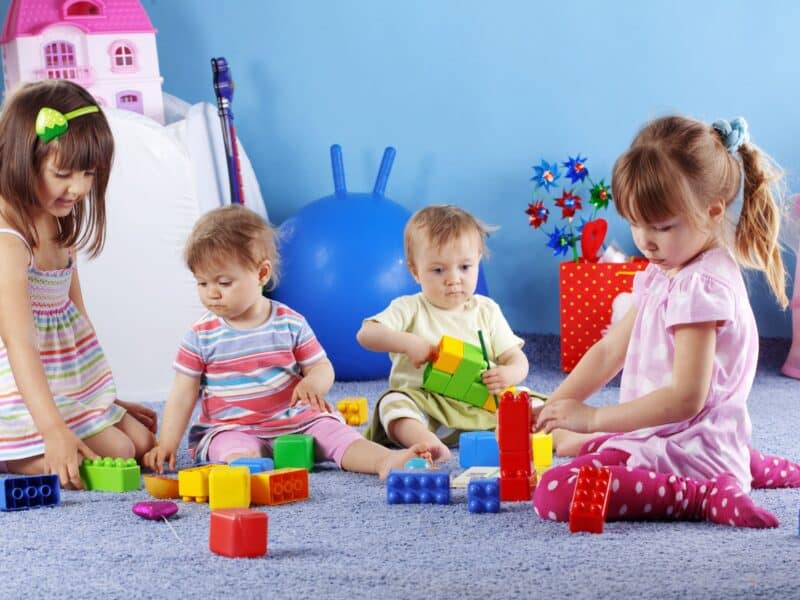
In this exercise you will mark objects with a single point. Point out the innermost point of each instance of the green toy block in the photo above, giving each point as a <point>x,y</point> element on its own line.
<point>294,450</point>
<point>474,355</point>
<point>477,395</point>
<point>435,380</point>
<point>467,373</point>
<point>110,474</point>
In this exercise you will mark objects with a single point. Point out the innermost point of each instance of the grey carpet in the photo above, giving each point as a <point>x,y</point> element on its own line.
<point>346,542</point>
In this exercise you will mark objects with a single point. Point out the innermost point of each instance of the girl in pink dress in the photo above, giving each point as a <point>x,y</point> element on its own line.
<point>699,201</point>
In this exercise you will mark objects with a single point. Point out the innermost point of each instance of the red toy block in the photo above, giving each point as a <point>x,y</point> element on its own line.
<point>514,422</point>
<point>238,532</point>
<point>516,489</point>
<point>515,463</point>
<point>590,499</point>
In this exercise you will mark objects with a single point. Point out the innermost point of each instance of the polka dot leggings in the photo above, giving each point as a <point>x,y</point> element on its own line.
<point>768,472</point>
<point>639,494</point>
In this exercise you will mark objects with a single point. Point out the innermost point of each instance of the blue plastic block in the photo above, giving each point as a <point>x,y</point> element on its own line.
<point>478,449</point>
<point>418,487</point>
<point>483,496</point>
<point>256,465</point>
<point>20,493</point>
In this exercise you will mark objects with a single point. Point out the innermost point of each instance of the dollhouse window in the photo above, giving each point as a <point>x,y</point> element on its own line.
<point>59,61</point>
<point>123,56</point>
<point>83,8</point>
<point>130,100</point>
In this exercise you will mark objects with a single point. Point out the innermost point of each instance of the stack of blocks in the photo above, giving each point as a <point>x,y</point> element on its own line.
<point>110,474</point>
<point>456,373</point>
<point>590,499</point>
<point>354,410</point>
<point>513,423</point>
<point>20,493</point>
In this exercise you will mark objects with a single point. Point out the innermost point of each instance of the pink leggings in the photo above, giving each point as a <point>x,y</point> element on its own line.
<point>640,494</point>
<point>331,439</point>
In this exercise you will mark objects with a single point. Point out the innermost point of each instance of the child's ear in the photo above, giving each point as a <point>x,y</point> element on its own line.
<point>413,270</point>
<point>264,272</point>
<point>716,210</point>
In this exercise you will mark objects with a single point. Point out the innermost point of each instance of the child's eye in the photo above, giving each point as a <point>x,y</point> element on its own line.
<point>466,267</point>
<point>662,228</point>
<point>201,284</point>
<point>225,283</point>
<point>437,270</point>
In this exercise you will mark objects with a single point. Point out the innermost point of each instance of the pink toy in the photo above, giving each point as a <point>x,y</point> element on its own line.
<point>791,367</point>
<point>107,46</point>
<point>155,510</point>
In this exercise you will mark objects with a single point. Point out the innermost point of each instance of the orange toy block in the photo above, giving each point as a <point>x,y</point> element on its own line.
<point>354,410</point>
<point>193,483</point>
<point>229,487</point>
<point>449,353</point>
<point>279,486</point>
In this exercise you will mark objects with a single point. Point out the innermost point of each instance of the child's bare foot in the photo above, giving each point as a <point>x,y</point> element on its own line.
<point>397,458</point>
<point>247,454</point>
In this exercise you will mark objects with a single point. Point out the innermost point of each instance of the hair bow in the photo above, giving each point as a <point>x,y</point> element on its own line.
<point>733,134</point>
<point>51,124</point>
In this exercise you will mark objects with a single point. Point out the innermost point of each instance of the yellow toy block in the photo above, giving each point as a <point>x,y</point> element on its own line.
<point>193,483</point>
<point>229,487</point>
<point>542,446</point>
<point>354,410</point>
<point>279,486</point>
<point>449,353</point>
<point>490,405</point>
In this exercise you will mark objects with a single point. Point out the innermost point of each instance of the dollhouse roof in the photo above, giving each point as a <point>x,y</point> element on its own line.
<point>31,17</point>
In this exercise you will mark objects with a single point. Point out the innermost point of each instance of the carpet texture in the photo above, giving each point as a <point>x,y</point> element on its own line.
<point>346,542</point>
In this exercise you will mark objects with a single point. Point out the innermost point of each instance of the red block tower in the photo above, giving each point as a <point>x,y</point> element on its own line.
<point>514,423</point>
<point>590,499</point>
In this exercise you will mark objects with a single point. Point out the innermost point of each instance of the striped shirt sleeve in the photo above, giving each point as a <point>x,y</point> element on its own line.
<point>190,359</point>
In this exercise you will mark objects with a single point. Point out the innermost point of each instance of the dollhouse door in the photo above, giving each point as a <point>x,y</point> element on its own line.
<point>130,100</point>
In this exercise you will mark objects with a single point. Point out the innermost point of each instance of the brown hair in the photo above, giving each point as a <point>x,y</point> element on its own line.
<point>86,145</point>
<point>443,223</point>
<point>233,233</point>
<point>678,166</point>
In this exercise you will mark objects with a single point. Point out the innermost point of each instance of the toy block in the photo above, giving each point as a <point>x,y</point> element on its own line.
<point>434,380</point>
<point>478,449</point>
<point>229,487</point>
<point>256,465</point>
<point>110,474</point>
<point>418,487</point>
<point>279,486</point>
<point>294,450</point>
<point>490,404</point>
<point>587,512</point>
<point>477,395</point>
<point>21,493</point>
<point>193,483</point>
<point>354,410</point>
<point>516,489</point>
<point>449,353</point>
<point>513,422</point>
<point>542,448</point>
<point>161,487</point>
<point>483,495</point>
<point>238,532</point>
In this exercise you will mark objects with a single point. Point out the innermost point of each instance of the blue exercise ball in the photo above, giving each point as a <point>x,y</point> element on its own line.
<point>343,260</point>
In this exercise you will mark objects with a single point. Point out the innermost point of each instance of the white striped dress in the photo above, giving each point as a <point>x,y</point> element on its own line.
<point>76,368</point>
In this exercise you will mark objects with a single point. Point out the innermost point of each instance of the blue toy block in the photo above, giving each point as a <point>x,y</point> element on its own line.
<point>483,496</point>
<point>478,449</point>
<point>418,487</point>
<point>21,493</point>
<point>256,465</point>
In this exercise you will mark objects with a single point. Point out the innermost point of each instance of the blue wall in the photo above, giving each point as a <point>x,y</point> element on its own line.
<point>473,93</point>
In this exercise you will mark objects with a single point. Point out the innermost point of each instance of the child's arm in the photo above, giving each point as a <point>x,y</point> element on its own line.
<point>695,345</point>
<point>144,415</point>
<point>177,412</point>
<point>512,368</point>
<point>316,382</point>
<point>61,446</point>
<point>380,338</point>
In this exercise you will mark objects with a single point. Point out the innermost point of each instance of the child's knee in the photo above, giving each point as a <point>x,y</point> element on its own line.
<point>549,501</point>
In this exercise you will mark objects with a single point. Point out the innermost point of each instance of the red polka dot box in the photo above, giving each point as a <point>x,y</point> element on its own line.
<point>586,292</point>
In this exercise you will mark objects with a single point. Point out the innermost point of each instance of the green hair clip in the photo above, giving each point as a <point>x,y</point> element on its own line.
<point>51,124</point>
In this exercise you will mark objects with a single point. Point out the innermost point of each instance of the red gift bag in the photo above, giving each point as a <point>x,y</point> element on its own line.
<point>587,291</point>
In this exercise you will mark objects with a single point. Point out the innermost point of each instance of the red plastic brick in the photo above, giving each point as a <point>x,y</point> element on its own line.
<point>238,532</point>
<point>590,499</point>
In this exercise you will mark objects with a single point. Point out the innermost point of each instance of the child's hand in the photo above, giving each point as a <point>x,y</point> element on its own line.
<point>154,459</point>
<point>419,350</point>
<point>565,413</point>
<point>144,415</point>
<point>305,392</point>
<point>498,378</point>
<point>63,453</point>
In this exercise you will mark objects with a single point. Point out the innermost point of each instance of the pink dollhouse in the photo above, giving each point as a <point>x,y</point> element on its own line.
<point>107,46</point>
